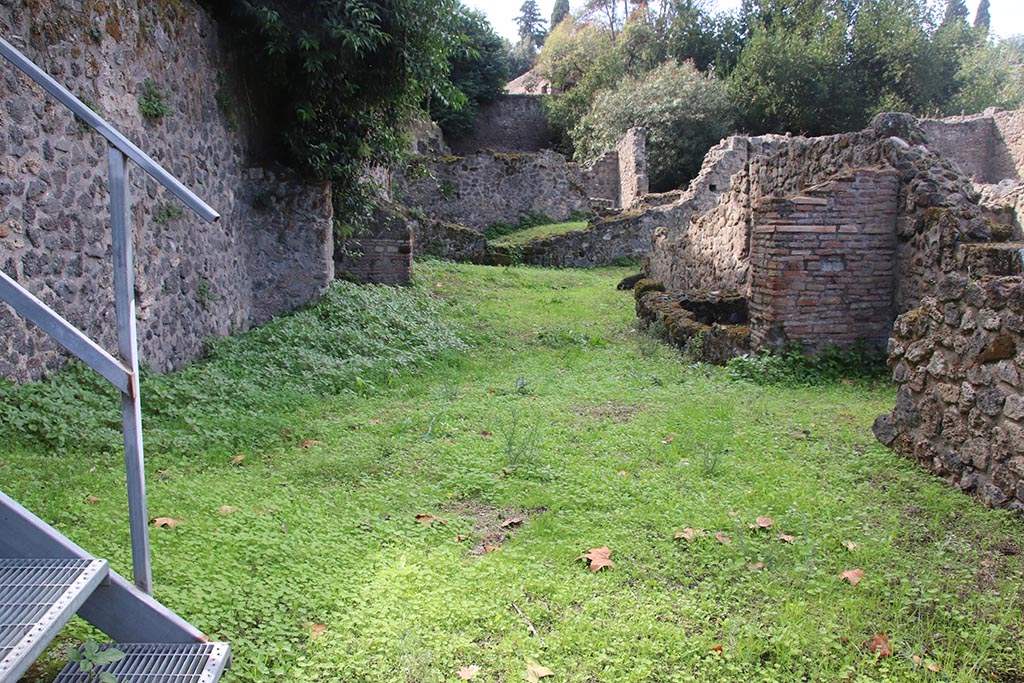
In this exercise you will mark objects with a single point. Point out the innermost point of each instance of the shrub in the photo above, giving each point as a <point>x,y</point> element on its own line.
<point>684,111</point>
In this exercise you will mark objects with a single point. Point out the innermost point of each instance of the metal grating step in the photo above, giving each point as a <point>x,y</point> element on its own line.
<point>159,663</point>
<point>37,597</point>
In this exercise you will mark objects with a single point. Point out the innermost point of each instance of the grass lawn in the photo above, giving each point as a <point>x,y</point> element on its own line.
<point>298,474</point>
<point>538,232</point>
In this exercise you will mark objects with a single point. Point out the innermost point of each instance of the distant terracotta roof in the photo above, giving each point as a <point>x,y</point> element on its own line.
<point>530,83</point>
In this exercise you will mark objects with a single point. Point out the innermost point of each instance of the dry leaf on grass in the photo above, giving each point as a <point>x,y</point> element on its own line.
<point>428,519</point>
<point>91,500</point>
<point>169,522</point>
<point>316,629</point>
<point>468,673</point>
<point>689,534</point>
<point>512,521</point>
<point>535,672</point>
<point>755,566</point>
<point>238,460</point>
<point>786,538</point>
<point>880,645</point>
<point>765,522</point>
<point>854,576</point>
<point>599,558</point>
<point>722,538</point>
<point>850,545</point>
<point>227,510</point>
<point>668,439</point>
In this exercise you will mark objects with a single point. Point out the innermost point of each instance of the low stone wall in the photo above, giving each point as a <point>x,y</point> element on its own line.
<point>381,254</point>
<point>512,123</point>
<point>974,144</point>
<point>823,263</point>
<point>270,251</point>
<point>603,242</point>
<point>485,188</point>
<point>958,362</point>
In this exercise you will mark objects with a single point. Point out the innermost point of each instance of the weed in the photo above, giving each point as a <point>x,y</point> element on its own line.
<point>204,294</point>
<point>790,366</point>
<point>151,101</point>
<point>80,123</point>
<point>227,107</point>
<point>90,658</point>
<point>520,441</point>
<point>166,212</point>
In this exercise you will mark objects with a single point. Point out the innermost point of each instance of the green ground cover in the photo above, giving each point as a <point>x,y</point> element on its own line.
<point>297,460</point>
<point>538,232</point>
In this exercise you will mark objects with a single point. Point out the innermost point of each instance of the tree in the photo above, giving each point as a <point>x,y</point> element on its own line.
<point>956,12</point>
<point>479,69</point>
<point>685,112</point>
<point>531,25</point>
<point>992,76</point>
<point>561,11</point>
<point>792,74</point>
<point>982,18</point>
<point>342,78</point>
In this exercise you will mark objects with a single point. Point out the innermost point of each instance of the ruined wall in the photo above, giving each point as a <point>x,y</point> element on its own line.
<point>270,251</point>
<point>600,180</point>
<point>632,156</point>
<point>1010,126</point>
<point>380,254</point>
<point>485,188</point>
<point>823,263</point>
<point>512,123</point>
<point>601,243</point>
<point>958,362</point>
<point>974,144</point>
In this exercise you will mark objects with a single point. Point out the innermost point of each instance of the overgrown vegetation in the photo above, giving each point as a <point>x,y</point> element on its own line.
<point>787,65</point>
<point>309,507</point>
<point>500,231</point>
<point>537,232</point>
<point>792,366</point>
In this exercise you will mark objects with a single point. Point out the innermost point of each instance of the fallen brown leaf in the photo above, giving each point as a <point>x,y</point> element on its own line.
<point>599,558</point>
<point>854,576</point>
<point>486,434</point>
<point>623,473</point>
<point>689,534</point>
<point>428,519</point>
<point>716,648</point>
<point>227,510</point>
<point>468,673</point>
<point>765,522</point>
<point>461,537</point>
<point>169,522</point>
<point>238,460</point>
<point>375,420</point>
<point>850,545</point>
<point>786,538</point>
<point>535,672</point>
<point>755,566</point>
<point>722,538</point>
<point>91,500</point>
<point>880,645</point>
<point>492,548</point>
<point>309,443</point>
<point>512,521</point>
<point>733,513</point>
<point>315,630</point>
<point>668,439</point>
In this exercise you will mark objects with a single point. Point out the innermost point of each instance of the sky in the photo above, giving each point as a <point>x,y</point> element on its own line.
<point>1007,15</point>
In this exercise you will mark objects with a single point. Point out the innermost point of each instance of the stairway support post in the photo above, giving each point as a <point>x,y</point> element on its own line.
<point>127,346</point>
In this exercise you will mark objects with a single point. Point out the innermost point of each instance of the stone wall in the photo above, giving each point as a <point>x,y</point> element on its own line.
<point>974,144</point>
<point>380,254</point>
<point>485,188</point>
<point>1010,126</point>
<point>823,263</point>
<point>270,251</point>
<point>632,155</point>
<point>958,362</point>
<point>512,123</point>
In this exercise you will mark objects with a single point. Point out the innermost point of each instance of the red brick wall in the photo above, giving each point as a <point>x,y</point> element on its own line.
<point>823,263</point>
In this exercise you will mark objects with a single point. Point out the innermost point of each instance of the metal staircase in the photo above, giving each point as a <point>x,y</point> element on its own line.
<point>45,578</point>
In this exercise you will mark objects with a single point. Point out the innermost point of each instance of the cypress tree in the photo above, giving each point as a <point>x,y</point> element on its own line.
<point>561,11</point>
<point>982,19</point>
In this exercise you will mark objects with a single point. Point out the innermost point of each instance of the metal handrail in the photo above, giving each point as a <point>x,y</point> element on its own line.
<point>124,372</point>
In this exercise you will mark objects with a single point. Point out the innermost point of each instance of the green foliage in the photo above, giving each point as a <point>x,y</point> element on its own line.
<point>228,108</point>
<point>319,571</point>
<point>531,25</point>
<point>345,77</point>
<point>536,232</point>
<point>498,230</point>
<point>91,657</point>
<point>561,11</point>
<point>479,69</point>
<point>790,366</point>
<point>685,112</point>
<point>992,75</point>
<point>354,340</point>
<point>167,212</point>
<point>151,101</point>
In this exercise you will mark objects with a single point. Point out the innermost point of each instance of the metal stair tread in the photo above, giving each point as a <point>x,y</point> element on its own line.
<point>37,597</point>
<point>159,663</point>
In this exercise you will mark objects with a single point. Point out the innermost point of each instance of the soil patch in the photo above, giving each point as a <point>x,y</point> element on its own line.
<point>492,526</point>
<point>616,412</point>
